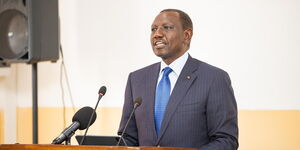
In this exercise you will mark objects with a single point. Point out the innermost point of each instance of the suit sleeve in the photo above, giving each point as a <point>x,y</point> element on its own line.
<point>130,135</point>
<point>221,115</point>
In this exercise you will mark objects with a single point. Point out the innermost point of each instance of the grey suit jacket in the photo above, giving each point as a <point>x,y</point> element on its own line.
<point>201,112</point>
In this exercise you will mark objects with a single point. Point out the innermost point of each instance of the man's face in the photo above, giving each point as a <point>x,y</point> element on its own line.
<point>167,36</point>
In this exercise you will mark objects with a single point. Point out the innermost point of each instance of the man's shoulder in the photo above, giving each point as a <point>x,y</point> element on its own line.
<point>203,67</point>
<point>147,69</point>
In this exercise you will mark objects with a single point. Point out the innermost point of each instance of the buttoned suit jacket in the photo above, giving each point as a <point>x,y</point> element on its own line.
<point>201,112</point>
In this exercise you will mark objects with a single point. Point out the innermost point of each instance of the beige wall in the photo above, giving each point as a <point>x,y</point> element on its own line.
<point>8,103</point>
<point>269,129</point>
<point>259,130</point>
<point>51,123</point>
<point>1,127</point>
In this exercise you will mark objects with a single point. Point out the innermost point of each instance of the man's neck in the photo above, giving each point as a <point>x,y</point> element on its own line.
<point>168,61</point>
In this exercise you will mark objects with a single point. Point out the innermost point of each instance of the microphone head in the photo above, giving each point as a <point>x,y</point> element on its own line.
<point>83,116</point>
<point>138,101</point>
<point>102,91</point>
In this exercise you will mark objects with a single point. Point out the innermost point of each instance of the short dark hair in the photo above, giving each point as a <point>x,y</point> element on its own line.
<point>186,21</point>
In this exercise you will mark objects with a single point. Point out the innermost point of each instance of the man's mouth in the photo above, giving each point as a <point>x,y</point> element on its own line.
<point>159,44</point>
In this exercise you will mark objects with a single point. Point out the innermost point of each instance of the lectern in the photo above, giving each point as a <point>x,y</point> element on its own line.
<point>76,147</point>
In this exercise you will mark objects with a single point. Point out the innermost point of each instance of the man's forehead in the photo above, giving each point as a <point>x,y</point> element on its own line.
<point>166,17</point>
<point>168,14</point>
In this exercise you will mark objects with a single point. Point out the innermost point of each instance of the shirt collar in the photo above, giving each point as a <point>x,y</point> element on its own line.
<point>176,65</point>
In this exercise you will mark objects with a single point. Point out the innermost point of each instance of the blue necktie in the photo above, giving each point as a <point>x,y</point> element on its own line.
<point>161,98</point>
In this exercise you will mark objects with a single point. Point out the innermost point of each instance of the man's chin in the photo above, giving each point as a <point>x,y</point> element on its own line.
<point>160,55</point>
<point>160,52</point>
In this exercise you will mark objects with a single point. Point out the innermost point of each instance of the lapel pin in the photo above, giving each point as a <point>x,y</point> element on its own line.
<point>188,77</point>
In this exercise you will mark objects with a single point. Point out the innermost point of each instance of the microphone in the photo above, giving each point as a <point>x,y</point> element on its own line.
<point>101,93</point>
<point>136,103</point>
<point>80,122</point>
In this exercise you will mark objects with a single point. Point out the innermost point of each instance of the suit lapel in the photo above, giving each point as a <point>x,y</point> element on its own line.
<point>149,98</point>
<point>184,81</point>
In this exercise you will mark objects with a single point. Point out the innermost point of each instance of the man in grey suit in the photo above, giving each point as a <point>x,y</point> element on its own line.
<point>191,106</point>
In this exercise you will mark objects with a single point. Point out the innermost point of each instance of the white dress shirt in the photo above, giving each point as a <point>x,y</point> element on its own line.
<point>176,66</point>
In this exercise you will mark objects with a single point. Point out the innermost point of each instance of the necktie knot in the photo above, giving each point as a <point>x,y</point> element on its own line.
<point>167,71</point>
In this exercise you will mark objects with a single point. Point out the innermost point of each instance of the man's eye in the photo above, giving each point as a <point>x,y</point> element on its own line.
<point>168,27</point>
<point>153,29</point>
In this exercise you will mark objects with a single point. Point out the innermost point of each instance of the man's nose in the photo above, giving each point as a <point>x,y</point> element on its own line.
<point>158,33</point>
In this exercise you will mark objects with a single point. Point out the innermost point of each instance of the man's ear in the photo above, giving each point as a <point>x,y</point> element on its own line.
<point>188,33</point>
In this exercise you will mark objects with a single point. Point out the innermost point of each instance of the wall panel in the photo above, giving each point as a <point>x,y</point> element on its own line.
<point>258,129</point>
